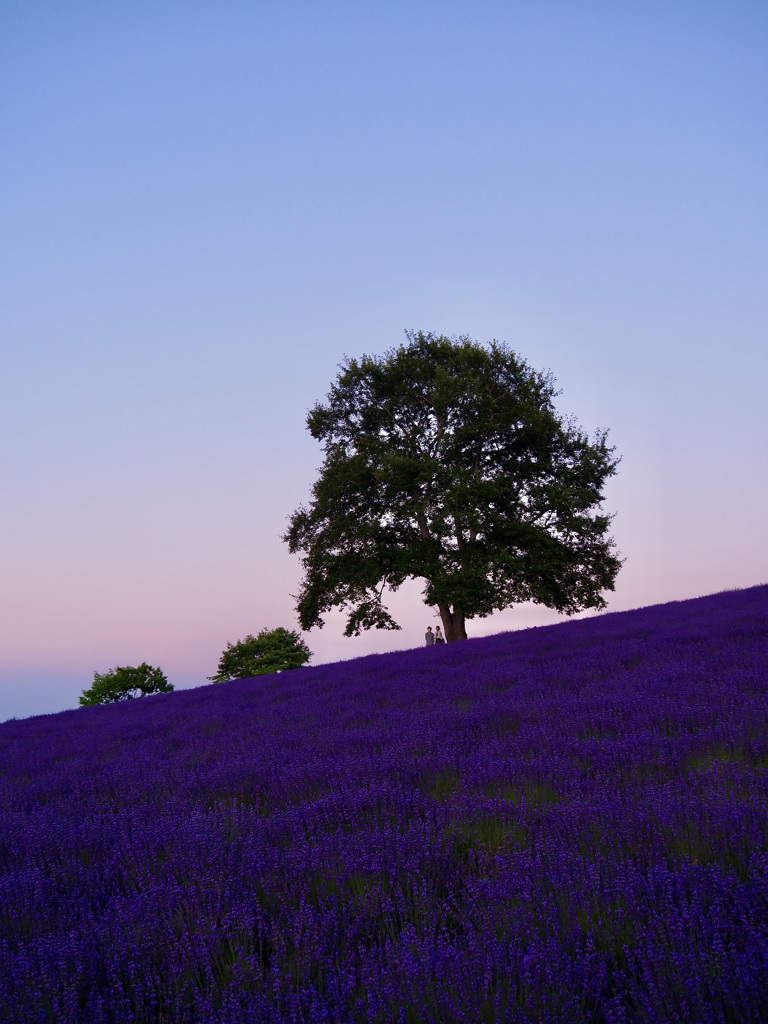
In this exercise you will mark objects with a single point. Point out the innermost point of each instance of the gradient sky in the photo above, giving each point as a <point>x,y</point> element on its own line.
<point>204,206</point>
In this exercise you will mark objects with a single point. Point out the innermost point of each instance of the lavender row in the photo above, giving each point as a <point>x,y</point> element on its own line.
<point>565,824</point>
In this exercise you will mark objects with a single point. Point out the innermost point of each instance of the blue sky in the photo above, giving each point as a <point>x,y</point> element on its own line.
<point>204,206</point>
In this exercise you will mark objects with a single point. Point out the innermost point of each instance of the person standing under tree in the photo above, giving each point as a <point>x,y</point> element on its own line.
<point>429,636</point>
<point>439,638</point>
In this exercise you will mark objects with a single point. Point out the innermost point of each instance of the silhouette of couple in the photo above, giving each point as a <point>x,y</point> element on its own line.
<point>434,638</point>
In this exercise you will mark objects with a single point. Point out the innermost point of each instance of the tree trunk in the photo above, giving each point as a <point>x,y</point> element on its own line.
<point>453,622</point>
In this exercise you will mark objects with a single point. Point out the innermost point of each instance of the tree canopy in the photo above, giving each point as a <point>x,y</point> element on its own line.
<point>124,683</point>
<point>273,650</point>
<point>446,461</point>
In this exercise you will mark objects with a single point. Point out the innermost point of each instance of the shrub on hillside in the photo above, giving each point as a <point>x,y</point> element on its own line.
<point>273,650</point>
<point>124,683</point>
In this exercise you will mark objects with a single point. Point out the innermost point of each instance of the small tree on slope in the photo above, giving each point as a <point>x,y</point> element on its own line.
<point>124,683</point>
<point>446,461</point>
<point>273,650</point>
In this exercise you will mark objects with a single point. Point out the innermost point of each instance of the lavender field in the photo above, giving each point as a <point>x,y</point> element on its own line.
<point>562,824</point>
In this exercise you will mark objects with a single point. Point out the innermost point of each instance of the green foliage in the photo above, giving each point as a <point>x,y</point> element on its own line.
<point>124,683</point>
<point>273,650</point>
<point>446,461</point>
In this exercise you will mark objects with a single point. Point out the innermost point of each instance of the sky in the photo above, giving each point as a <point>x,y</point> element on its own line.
<point>204,206</point>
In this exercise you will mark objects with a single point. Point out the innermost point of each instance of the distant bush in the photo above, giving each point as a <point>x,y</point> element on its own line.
<point>124,683</point>
<point>273,650</point>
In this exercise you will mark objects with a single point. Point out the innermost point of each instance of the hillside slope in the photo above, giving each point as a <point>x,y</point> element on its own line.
<point>567,824</point>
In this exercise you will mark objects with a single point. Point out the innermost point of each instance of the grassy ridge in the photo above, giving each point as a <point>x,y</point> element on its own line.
<point>564,824</point>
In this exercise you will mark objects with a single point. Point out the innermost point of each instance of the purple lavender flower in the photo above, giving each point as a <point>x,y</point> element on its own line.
<point>562,824</point>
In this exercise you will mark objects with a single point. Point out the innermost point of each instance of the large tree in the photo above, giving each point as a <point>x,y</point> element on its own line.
<point>446,461</point>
